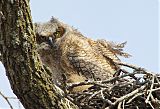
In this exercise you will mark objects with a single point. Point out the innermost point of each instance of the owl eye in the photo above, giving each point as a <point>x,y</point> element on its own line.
<point>43,38</point>
<point>57,34</point>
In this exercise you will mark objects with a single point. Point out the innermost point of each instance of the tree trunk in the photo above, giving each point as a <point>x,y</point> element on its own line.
<point>29,79</point>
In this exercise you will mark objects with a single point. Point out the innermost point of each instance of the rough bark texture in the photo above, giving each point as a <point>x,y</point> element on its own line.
<point>29,79</point>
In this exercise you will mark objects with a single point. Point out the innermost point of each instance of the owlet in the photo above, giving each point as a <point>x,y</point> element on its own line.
<point>72,57</point>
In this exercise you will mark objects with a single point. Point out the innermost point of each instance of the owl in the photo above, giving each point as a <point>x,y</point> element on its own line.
<point>72,57</point>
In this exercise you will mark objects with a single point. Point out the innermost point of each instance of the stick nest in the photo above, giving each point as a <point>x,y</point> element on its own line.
<point>134,88</point>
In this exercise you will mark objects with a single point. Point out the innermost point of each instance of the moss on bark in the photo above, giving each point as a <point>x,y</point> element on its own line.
<point>29,80</point>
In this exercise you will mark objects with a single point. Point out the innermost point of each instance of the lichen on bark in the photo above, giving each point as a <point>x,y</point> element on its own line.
<point>29,79</point>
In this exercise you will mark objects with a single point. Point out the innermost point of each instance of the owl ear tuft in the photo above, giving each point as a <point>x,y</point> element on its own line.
<point>54,20</point>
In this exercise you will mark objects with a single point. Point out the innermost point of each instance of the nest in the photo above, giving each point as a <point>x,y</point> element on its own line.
<point>134,88</point>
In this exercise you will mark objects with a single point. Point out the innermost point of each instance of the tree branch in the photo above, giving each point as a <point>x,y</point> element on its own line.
<point>30,81</point>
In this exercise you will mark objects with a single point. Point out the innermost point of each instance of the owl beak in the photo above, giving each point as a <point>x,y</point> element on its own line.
<point>50,41</point>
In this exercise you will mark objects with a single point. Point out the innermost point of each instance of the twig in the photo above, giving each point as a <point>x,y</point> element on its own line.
<point>95,94</point>
<point>120,85</point>
<point>119,105</point>
<point>6,99</point>
<point>150,104</point>
<point>157,80</point>
<point>122,91</point>
<point>129,95</point>
<point>154,89</point>
<point>134,67</point>
<point>123,103</point>
<point>69,86</point>
<point>138,94</point>
<point>147,100</point>
<point>126,72</point>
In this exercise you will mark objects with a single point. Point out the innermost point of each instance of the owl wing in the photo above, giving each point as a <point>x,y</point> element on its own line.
<point>88,62</point>
<point>111,49</point>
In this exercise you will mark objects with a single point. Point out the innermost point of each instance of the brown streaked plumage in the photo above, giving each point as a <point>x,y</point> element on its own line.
<point>76,57</point>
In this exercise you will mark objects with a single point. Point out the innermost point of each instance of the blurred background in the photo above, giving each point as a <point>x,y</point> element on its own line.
<point>134,21</point>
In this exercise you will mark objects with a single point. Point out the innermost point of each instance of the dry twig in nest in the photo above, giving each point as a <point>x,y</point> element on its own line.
<point>137,89</point>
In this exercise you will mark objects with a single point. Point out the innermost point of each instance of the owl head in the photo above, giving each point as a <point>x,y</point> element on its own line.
<point>50,31</point>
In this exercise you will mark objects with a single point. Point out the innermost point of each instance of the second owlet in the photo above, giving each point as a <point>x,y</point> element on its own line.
<point>76,58</point>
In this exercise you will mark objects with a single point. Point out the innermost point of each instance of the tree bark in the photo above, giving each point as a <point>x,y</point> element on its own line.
<point>29,79</point>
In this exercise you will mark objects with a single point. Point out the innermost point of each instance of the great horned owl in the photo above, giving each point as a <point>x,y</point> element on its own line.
<point>67,52</point>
